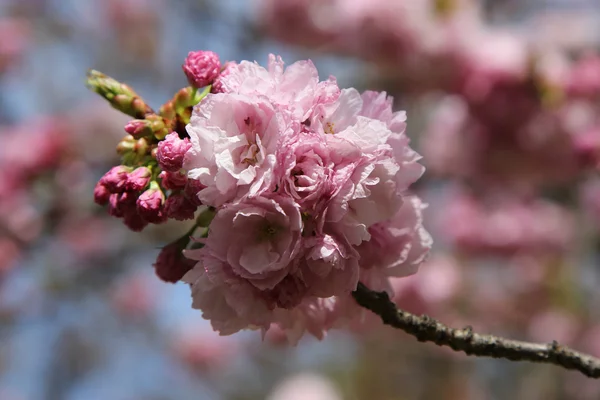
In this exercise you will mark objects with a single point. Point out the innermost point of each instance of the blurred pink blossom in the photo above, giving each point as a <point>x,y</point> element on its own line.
<point>16,37</point>
<point>551,325</point>
<point>505,225</point>
<point>134,295</point>
<point>203,349</point>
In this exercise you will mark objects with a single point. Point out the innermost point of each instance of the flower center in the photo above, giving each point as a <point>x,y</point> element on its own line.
<point>267,231</point>
<point>329,128</point>
<point>248,156</point>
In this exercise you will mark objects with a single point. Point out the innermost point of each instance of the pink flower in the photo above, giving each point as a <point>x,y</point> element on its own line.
<point>258,238</point>
<point>234,144</point>
<point>229,302</point>
<point>313,315</point>
<point>232,303</point>
<point>201,67</point>
<point>293,88</point>
<point>171,152</point>
<point>217,86</point>
<point>302,174</point>
<point>397,246</point>
<point>367,193</point>
<point>310,170</point>
<point>329,268</point>
<point>378,105</point>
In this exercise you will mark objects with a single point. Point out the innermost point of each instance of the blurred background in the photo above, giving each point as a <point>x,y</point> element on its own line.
<point>503,99</point>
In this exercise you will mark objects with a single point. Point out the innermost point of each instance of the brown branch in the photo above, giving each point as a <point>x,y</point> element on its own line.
<point>427,329</point>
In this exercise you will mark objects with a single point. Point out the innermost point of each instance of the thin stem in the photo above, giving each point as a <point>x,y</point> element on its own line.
<point>427,329</point>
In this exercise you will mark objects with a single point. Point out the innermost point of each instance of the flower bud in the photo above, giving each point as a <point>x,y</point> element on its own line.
<point>201,68</point>
<point>150,204</point>
<point>171,265</point>
<point>115,180</point>
<point>126,145</point>
<point>141,147</point>
<point>138,179</point>
<point>122,204</point>
<point>101,194</point>
<point>152,125</point>
<point>135,222</point>
<point>180,207</point>
<point>192,187</point>
<point>172,180</point>
<point>138,128</point>
<point>171,152</point>
<point>119,95</point>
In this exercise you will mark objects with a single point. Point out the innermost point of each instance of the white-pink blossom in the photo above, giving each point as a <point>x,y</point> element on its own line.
<point>234,146</point>
<point>310,185</point>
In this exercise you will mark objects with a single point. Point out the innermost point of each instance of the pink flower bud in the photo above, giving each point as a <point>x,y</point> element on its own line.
<point>101,194</point>
<point>138,179</point>
<point>113,206</point>
<point>180,207</point>
<point>170,264</point>
<point>201,68</point>
<point>135,222</point>
<point>122,204</point>
<point>171,151</point>
<point>192,187</point>
<point>173,180</point>
<point>151,125</point>
<point>115,179</point>
<point>138,128</point>
<point>150,204</point>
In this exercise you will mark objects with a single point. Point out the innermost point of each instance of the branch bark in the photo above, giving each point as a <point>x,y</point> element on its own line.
<point>427,329</point>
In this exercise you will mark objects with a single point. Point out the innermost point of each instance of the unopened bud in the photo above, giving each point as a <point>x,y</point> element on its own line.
<point>115,179</point>
<point>138,179</point>
<point>119,95</point>
<point>179,207</point>
<point>141,146</point>
<point>171,265</point>
<point>101,194</point>
<point>150,204</point>
<point>192,187</point>
<point>171,152</point>
<point>201,68</point>
<point>126,145</point>
<point>172,180</point>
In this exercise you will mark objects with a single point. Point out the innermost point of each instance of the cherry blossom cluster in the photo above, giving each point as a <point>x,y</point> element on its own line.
<point>304,188</point>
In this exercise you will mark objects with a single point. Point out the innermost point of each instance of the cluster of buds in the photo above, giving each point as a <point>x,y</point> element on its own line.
<point>150,186</point>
